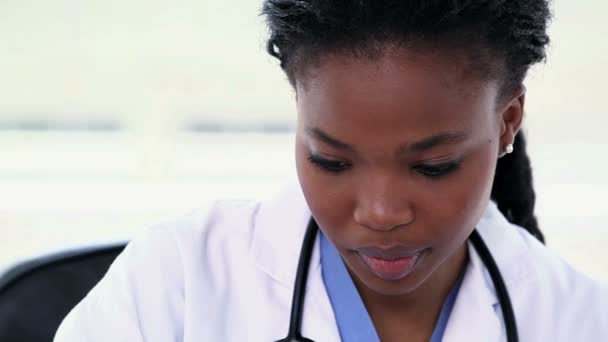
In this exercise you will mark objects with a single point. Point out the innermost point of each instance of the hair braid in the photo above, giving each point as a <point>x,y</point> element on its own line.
<point>513,189</point>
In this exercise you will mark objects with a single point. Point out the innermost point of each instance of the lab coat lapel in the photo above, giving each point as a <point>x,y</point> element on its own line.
<point>279,228</point>
<point>473,317</point>
<point>280,225</point>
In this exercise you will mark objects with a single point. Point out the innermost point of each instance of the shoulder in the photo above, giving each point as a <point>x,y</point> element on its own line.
<point>226,228</point>
<point>170,242</point>
<point>525,259</point>
<point>546,291</point>
<point>560,283</point>
<point>557,295</point>
<point>218,220</point>
<point>549,273</point>
<point>144,294</point>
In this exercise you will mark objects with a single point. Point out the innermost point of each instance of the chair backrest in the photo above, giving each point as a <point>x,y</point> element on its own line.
<point>37,294</point>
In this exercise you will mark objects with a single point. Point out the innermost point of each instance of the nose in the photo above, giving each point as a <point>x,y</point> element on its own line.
<point>383,208</point>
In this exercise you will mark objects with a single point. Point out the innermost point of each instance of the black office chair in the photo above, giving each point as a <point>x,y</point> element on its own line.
<point>37,294</point>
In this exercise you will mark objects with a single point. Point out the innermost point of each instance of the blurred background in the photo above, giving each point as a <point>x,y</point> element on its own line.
<point>115,115</point>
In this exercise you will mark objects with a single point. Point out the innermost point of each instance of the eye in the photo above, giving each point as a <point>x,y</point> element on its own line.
<point>437,170</point>
<point>329,165</point>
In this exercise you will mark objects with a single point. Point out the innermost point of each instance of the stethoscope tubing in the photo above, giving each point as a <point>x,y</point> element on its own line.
<point>297,302</point>
<point>499,284</point>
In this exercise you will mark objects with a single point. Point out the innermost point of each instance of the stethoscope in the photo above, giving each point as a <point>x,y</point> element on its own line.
<point>297,305</point>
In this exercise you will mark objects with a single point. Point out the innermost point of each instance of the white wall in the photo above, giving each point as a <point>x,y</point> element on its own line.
<point>152,66</point>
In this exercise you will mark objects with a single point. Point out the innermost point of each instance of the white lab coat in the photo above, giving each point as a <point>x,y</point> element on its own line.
<point>227,274</point>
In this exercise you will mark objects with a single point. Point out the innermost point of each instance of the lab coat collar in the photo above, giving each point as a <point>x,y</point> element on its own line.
<point>279,230</point>
<point>476,315</point>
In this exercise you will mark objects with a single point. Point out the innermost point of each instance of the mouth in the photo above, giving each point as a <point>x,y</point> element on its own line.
<point>390,264</point>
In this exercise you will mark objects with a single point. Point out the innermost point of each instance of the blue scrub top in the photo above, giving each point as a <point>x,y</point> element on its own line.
<point>354,323</point>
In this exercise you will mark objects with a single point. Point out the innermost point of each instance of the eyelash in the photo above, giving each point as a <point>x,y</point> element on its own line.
<point>439,170</point>
<point>327,165</point>
<point>431,171</point>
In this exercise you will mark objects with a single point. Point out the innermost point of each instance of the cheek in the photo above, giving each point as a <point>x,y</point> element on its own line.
<point>455,209</point>
<point>326,195</point>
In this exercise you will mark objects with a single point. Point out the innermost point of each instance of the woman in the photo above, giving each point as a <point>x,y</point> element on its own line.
<point>408,143</point>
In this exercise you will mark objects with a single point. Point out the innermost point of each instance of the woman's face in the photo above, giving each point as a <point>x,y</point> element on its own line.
<point>396,158</point>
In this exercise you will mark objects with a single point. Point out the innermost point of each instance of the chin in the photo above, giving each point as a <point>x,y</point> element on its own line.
<point>404,286</point>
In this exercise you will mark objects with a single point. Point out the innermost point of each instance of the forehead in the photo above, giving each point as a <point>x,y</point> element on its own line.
<point>411,93</point>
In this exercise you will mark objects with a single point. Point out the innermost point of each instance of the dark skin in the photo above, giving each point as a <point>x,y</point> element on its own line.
<point>404,147</point>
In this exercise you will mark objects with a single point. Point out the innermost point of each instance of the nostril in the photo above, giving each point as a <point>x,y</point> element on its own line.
<point>383,228</point>
<point>382,220</point>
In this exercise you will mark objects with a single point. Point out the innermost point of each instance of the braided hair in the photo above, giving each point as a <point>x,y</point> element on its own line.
<point>501,39</point>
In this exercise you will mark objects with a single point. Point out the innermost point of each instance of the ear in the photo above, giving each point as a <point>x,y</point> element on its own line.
<point>511,119</point>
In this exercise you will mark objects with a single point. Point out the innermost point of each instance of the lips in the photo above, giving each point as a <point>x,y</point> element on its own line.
<point>390,264</point>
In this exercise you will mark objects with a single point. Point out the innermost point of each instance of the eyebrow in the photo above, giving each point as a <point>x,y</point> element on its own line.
<point>329,140</point>
<point>444,138</point>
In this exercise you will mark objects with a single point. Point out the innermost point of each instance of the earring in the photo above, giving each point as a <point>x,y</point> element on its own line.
<point>509,148</point>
